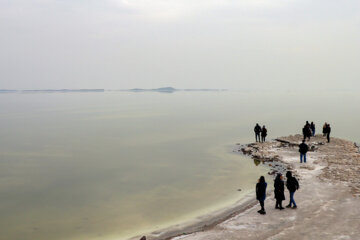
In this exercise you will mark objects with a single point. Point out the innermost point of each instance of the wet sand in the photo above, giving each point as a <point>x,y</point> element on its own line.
<point>328,198</point>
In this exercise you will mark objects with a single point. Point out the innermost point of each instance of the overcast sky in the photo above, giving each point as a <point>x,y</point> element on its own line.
<point>233,44</point>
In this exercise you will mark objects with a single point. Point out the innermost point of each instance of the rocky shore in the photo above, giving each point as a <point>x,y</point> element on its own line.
<point>328,199</point>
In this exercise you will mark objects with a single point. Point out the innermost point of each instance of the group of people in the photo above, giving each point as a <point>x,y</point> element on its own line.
<point>308,130</point>
<point>326,131</point>
<point>260,131</point>
<point>292,185</point>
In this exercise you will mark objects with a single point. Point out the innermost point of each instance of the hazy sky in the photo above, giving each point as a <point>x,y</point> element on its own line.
<point>234,44</point>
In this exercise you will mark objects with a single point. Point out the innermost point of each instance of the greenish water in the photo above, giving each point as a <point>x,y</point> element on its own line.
<point>112,165</point>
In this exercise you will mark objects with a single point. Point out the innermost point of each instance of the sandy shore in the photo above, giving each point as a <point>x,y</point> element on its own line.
<point>328,198</point>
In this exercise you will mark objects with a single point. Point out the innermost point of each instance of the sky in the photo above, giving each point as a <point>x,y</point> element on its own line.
<point>231,44</point>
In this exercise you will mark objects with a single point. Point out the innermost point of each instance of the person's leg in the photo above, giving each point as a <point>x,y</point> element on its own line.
<point>328,137</point>
<point>280,205</point>
<point>277,204</point>
<point>292,199</point>
<point>301,157</point>
<point>262,206</point>
<point>289,205</point>
<point>304,157</point>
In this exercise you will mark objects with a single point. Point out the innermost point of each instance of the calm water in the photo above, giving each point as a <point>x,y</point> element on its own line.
<point>112,165</point>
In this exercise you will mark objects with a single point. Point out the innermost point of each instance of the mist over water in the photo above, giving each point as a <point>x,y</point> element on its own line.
<point>113,165</point>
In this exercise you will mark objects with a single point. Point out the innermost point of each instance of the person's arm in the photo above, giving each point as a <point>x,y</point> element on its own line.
<point>296,183</point>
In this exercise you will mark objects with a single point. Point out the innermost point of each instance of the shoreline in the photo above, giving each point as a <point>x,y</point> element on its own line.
<point>210,219</point>
<point>329,176</point>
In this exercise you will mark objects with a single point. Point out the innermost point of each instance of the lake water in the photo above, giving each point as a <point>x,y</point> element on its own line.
<point>112,165</point>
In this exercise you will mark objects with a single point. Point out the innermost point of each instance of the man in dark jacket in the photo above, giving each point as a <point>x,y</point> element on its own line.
<point>292,185</point>
<point>328,130</point>
<point>261,193</point>
<point>303,149</point>
<point>257,131</point>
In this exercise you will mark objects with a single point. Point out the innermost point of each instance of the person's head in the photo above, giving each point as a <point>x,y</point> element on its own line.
<point>288,174</point>
<point>303,140</point>
<point>257,124</point>
<point>312,122</point>
<point>264,126</point>
<point>328,124</point>
<point>262,179</point>
<point>278,176</point>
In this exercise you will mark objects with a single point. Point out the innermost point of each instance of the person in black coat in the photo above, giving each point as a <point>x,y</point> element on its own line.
<point>263,133</point>
<point>324,129</point>
<point>257,130</point>
<point>303,149</point>
<point>328,130</point>
<point>261,193</point>
<point>312,126</point>
<point>306,131</point>
<point>292,185</point>
<point>279,191</point>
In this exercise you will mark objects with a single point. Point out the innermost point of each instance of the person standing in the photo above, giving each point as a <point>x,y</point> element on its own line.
<point>328,130</point>
<point>279,191</point>
<point>324,129</point>
<point>261,194</point>
<point>263,133</point>
<point>306,131</point>
<point>303,149</point>
<point>257,131</point>
<point>292,185</point>
<point>312,126</point>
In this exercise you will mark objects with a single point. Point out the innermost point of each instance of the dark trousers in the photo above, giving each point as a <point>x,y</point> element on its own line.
<point>263,138</point>
<point>262,205</point>
<point>302,155</point>
<point>257,135</point>
<point>328,137</point>
<point>278,203</point>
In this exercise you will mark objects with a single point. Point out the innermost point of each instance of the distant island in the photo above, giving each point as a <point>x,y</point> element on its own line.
<point>65,90</point>
<point>50,90</point>
<point>161,90</point>
<point>170,90</point>
<point>7,91</point>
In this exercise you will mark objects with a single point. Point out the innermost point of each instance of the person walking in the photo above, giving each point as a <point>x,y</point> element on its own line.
<point>257,131</point>
<point>263,133</point>
<point>292,185</point>
<point>261,194</point>
<point>279,191</point>
<point>312,126</point>
<point>328,130</point>
<point>303,149</point>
